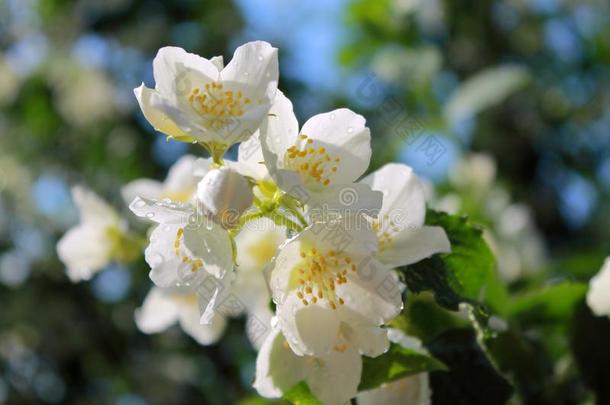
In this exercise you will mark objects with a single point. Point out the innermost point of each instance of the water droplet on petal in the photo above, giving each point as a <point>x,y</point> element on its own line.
<point>166,200</point>
<point>350,130</point>
<point>150,215</point>
<point>194,142</point>
<point>260,58</point>
<point>246,74</point>
<point>333,116</point>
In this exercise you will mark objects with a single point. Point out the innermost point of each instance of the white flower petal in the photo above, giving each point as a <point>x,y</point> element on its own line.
<point>310,330</point>
<point>373,290</point>
<point>413,245</point>
<point>156,117</point>
<point>218,62</point>
<point>277,368</point>
<point>278,132</point>
<point>162,212</point>
<point>180,180</point>
<point>354,198</point>
<point>85,250</point>
<point>370,339</point>
<point>598,297</point>
<point>211,243</point>
<point>257,243</point>
<point>250,160</point>
<point>158,311</point>
<point>281,269</point>
<point>92,208</point>
<point>204,334</point>
<point>258,324</point>
<point>215,296</point>
<point>344,135</point>
<point>334,379</point>
<point>254,64</point>
<point>201,167</point>
<point>174,69</point>
<point>413,390</point>
<point>146,188</point>
<point>404,202</point>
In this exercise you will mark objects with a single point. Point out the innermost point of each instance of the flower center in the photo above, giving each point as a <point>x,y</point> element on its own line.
<point>319,274</point>
<point>214,101</point>
<point>263,250</point>
<point>188,260</point>
<point>386,229</point>
<point>311,162</point>
<point>182,196</point>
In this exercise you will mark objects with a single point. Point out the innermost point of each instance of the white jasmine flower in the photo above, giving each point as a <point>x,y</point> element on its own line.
<point>225,194</point>
<point>183,244</point>
<point>319,164</point>
<point>179,185</point>
<point>99,238</point>
<point>250,160</point>
<point>412,390</point>
<point>332,379</point>
<point>598,297</point>
<point>403,237</point>
<point>330,291</point>
<point>163,307</point>
<point>257,244</point>
<point>196,99</point>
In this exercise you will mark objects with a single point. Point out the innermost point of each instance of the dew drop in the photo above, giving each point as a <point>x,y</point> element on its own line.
<point>140,204</point>
<point>350,130</point>
<point>150,215</point>
<point>333,116</point>
<point>246,74</point>
<point>194,142</point>
<point>260,58</point>
<point>166,200</point>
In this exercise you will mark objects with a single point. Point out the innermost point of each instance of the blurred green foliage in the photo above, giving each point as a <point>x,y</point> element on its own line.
<point>68,116</point>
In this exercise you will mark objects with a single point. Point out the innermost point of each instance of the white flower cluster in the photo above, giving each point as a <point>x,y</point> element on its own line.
<point>289,234</point>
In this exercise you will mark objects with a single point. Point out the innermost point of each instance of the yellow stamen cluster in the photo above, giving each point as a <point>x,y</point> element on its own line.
<point>320,273</point>
<point>311,161</point>
<point>195,264</point>
<point>385,228</point>
<point>216,102</point>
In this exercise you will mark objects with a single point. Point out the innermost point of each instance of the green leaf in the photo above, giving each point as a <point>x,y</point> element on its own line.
<point>463,275</point>
<point>301,395</point>
<point>398,362</point>
<point>555,303</point>
<point>425,319</point>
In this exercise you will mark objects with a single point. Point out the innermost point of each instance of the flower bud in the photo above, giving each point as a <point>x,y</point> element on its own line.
<point>225,195</point>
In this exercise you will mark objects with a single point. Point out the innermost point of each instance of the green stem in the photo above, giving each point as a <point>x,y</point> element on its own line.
<point>282,220</point>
